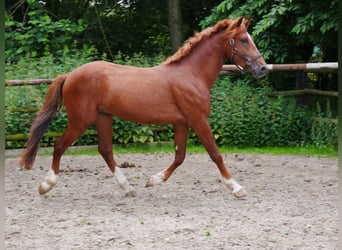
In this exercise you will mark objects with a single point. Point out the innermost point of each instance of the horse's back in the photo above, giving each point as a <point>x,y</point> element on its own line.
<point>136,94</point>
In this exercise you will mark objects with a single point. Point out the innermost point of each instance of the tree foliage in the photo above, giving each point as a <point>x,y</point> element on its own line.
<point>286,30</point>
<point>42,34</point>
<point>128,26</point>
<point>241,114</point>
<point>39,35</point>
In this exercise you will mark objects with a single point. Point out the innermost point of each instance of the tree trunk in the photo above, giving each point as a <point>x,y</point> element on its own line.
<point>175,24</point>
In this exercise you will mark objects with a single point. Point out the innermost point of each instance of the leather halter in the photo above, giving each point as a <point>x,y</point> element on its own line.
<point>249,61</point>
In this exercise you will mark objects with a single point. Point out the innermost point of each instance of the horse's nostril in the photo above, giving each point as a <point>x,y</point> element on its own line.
<point>263,69</point>
<point>259,71</point>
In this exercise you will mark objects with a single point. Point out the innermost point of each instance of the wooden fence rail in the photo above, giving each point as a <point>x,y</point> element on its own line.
<point>304,92</point>
<point>307,67</point>
<point>226,69</point>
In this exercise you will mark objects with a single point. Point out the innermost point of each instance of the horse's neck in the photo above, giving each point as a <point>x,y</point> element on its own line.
<point>207,59</point>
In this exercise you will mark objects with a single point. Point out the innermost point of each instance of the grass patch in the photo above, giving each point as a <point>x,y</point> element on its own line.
<point>199,149</point>
<point>305,150</point>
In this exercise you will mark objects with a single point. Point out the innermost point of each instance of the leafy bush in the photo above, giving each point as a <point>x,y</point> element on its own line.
<point>242,111</point>
<point>44,67</point>
<point>243,115</point>
<point>324,128</point>
<point>138,59</point>
<point>40,35</point>
<point>32,98</point>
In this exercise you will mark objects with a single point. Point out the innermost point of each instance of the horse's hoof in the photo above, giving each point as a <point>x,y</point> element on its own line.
<point>156,179</point>
<point>240,194</point>
<point>150,183</point>
<point>43,189</point>
<point>131,193</point>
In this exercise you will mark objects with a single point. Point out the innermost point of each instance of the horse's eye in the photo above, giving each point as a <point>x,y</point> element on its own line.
<point>244,40</point>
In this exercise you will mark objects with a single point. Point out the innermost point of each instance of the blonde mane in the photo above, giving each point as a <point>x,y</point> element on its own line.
<point>232,27</point>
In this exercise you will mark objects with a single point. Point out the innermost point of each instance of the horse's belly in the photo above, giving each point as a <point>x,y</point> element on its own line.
<point>153,118</point>
<point>147,112</point>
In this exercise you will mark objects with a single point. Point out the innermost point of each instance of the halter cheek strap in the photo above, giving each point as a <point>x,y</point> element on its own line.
<point>249,61</point>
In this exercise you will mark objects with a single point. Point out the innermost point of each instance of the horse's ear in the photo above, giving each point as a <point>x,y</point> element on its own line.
<point>239,21</point>
<point>247,22</point>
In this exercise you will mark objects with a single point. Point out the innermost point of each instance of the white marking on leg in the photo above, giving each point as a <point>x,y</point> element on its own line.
<point>48,183</point>
<point>122,181</point>
<point>156,179</point>
<point>232,185</point>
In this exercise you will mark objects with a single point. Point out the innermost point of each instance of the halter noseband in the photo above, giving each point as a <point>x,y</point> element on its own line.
<point>249,61</point>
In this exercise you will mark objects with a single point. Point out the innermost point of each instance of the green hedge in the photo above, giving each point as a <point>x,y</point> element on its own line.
<point>324,128</point>
<point>242,113</point>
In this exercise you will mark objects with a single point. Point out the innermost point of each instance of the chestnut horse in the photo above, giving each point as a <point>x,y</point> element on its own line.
<point>175,92</point>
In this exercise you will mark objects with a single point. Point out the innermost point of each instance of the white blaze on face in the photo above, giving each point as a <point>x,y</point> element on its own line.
<point>252,41</point>
<point>249,37</point>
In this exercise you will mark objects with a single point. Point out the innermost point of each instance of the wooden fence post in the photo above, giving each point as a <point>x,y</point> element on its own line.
<point>302,83</point>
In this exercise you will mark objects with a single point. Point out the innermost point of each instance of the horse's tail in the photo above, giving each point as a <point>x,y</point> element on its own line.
<point>52,104</point>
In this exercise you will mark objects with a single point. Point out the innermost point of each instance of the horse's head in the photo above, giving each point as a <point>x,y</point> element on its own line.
<point>242,50</point>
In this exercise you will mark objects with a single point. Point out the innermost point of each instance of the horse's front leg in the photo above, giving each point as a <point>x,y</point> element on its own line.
<point>180,138</point>
<point>203,131</point>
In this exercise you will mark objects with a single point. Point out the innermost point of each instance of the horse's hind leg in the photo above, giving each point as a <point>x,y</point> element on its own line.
<point>72,132</point>
<point>180,138</point>
<point>104,130</point>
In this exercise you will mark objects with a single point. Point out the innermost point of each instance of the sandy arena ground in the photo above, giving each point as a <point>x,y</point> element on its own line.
<point>291,204</point>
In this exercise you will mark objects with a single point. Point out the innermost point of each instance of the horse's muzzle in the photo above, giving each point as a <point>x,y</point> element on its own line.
<point>259,70</point>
